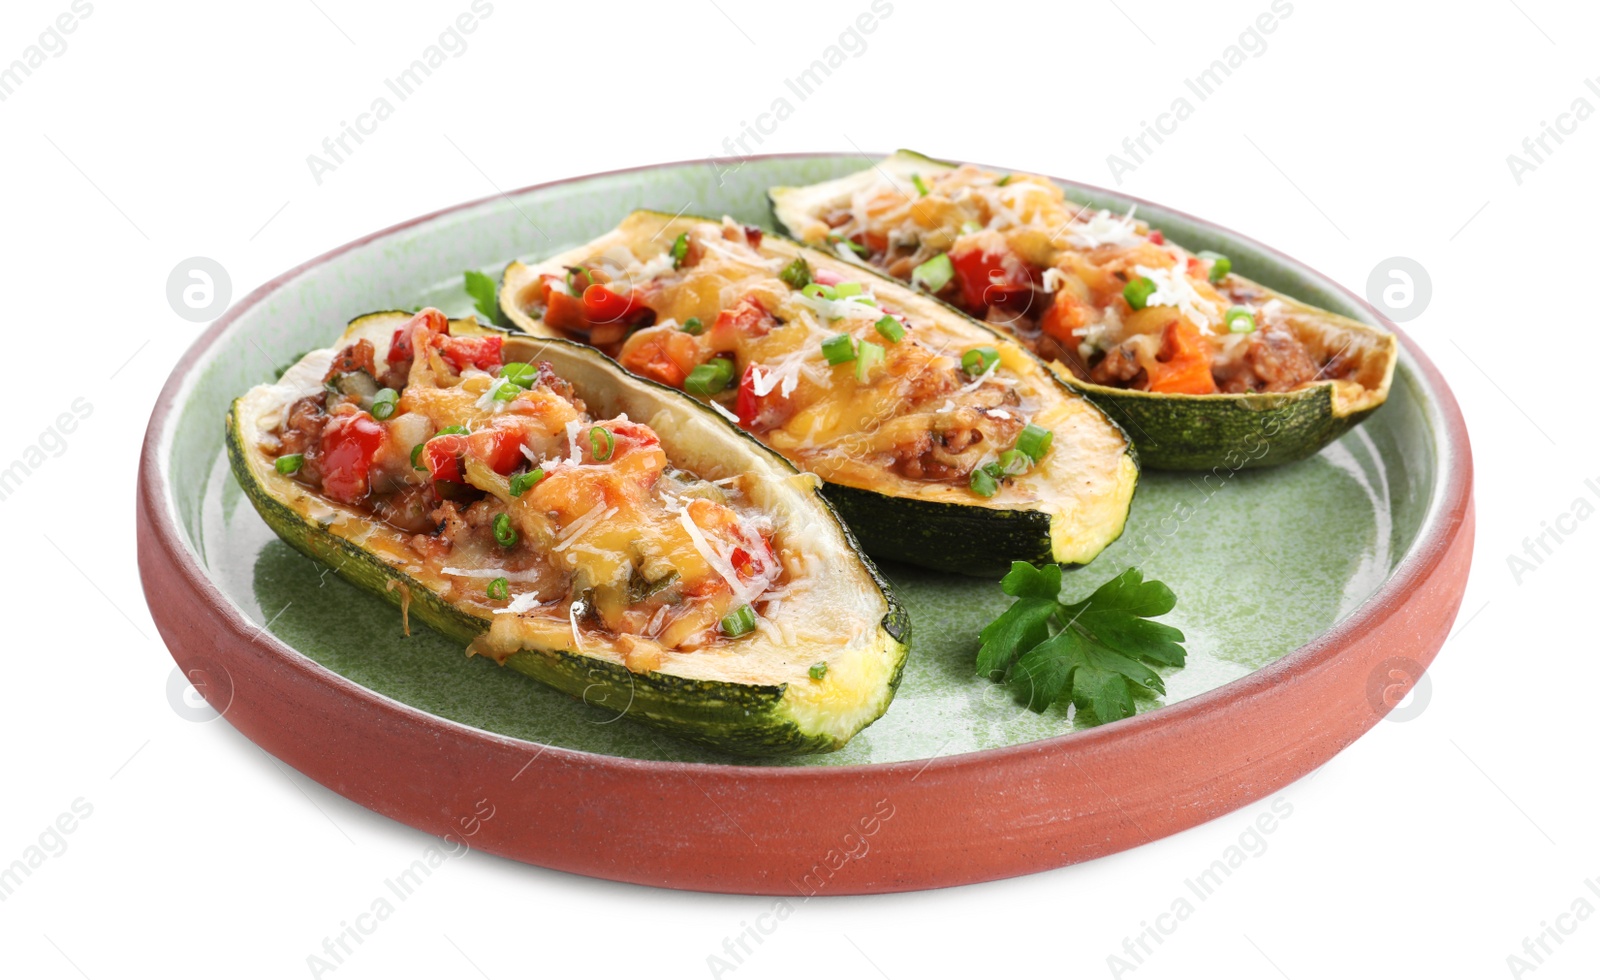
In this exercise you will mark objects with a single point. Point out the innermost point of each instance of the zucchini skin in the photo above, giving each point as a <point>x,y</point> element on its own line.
<point>741,719</point>
<point>1204,432</point>
<point>964,540</point>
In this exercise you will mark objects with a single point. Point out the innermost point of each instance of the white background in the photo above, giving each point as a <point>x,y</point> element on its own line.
<point>1365,130</point>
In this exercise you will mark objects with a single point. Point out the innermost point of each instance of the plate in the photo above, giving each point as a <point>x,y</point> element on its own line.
<point>1313,596</point>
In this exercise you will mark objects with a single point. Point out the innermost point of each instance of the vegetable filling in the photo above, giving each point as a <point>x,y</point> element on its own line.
<point>1104,294</point>
<point>515,499</point>
<point>816,365</point>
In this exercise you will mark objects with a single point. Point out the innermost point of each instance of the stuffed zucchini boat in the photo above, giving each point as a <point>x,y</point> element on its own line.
<point>598,532</point>
<point>942,443</point>
<point>1202,366</point>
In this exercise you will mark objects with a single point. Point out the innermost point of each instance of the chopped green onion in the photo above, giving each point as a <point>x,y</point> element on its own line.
<point>499,589</point>
<point>818,670</point>
<point>869,356</point>
<point>844,290</point>
<point>891,329</point>
<point>1014,462</point>
<point>916,181</point>
<point>507,390</point>
<point>934,273</point>
<point>710,377</point>
<point>970,227</point>
<point>693,327</point>
<point>855,247</point>
<point>383,403</point>
<point>982,484</point>
<point>680,249</point>
<point>1221,265</point>
<point>796,275</point>
<point>519,373</point>
<point>289,464</point>
<point>1138,292</point>
<point>839,349</point>
<point>1239,320</point>
<point>450,430</point>
<point>415,452</point>
<point>978,360</point>
<point>817,290</point>
<point>601,443</point>
<point>1003,181</point>
<point>503,531</point>
<point>1034,441</point>
<point>572,275</point>
<point>739,622</point>
<point>523,482</point>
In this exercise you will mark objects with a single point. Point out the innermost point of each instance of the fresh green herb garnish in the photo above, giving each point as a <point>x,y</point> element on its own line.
<point>1013,462</point>
<point>1095,652</point>
<point>868,356</point>
<point>796,275</point>
<point>818,670</point>
<point>499,589</point>
<point>601,443</point>
<point>1239,320</point>
<point>839,349</point>
<point>739,622</point>
<point>680,249</point>
<point>934,273</point>
<point>916,181</point>
<point>519,373</point>
<point>1003,181</point>
<point>523,482</point>
<point>1221,265</point>
<point>505,391</point>
<point>1138,292</point>
<point>482,290</point>
<point>855,247</point>
<point>383,403</point>
<point>693,327</point>
<point>289,464</point>
<point>710,377</point>
<point>891,329</point>
<point>415,452</point>
<point>983,483</point>
<point>503,531</point>
<point>1034,441</point>
<point>978,360</point>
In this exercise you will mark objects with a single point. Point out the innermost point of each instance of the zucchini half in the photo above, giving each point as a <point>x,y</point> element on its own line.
<point>1176,431</point>
<point>1068,510</point>
<point>753,695</point>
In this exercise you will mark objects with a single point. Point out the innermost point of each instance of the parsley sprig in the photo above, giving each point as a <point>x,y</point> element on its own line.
<point>1095,652</point>
<point>483,292</point>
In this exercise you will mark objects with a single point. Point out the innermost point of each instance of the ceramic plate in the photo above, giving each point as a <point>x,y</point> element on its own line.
<point>1312,595</point>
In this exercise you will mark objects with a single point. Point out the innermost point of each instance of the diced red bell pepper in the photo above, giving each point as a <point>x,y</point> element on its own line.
<point>746,318</point>
<point>400,344</point>
<point>500,447</point>
<point>760,413</point>
<point>479,352</point>
<point>442,456</point>
<point>990,278</point>
<point>349,443</point>
<point>1157,238</point>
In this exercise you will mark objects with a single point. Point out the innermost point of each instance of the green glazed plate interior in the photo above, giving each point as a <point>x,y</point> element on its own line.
<point>1262,561</point>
